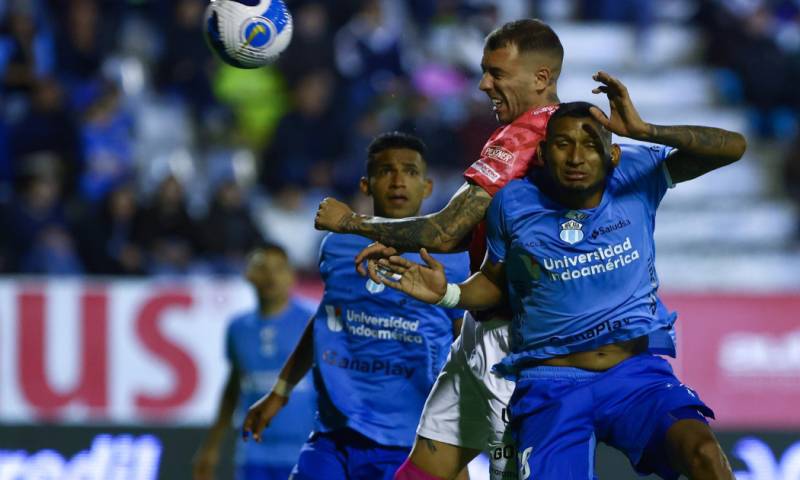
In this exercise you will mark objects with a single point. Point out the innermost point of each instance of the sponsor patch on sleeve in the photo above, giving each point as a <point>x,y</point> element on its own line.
<point>498,153</point>
<point>486,170</point>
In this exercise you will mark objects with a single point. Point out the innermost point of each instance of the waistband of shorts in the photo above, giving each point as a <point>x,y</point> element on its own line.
<point>548,372</point>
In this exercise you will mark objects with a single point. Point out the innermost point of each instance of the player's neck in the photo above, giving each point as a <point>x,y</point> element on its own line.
<point>268,308</point>
<point>547,98</point>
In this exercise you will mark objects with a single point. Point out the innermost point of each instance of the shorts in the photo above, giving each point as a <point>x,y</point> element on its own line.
<point>347,455</point>
<point>558,414</point>
<point>467,405</point>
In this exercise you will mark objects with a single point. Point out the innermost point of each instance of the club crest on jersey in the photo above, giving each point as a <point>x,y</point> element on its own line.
<point>373,287</point>
<point>571,232</point>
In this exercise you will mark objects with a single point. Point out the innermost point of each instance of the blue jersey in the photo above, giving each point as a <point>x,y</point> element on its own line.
<point>578,279</point>
<point>377,351</point>
<point>258,347</point>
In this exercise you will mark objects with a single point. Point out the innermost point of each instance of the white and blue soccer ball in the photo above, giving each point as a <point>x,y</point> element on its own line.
<point>248,33</point>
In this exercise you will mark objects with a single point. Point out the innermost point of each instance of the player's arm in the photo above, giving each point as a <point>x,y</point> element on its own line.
<point>444,231</point>
<point>261,413</point>
<point>207,457</point>
<point>428,283</point>
<point>699,150</point>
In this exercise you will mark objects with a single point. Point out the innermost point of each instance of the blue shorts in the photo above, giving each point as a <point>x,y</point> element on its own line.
<point>262,472</point>
<point>347,455</point>
<point>558,414</point>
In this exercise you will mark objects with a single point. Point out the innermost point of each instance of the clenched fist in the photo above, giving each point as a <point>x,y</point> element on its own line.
<point>332,215</point>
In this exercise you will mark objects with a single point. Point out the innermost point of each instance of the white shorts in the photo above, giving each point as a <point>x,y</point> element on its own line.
<point>467,406</point>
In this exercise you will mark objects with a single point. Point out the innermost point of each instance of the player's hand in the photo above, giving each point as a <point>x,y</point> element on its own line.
<point>373,251</point>
<point>625,120</point>
<point>204,463</point>
<point>426,283</point>
<point>332,215</point>
<point>261,414</point>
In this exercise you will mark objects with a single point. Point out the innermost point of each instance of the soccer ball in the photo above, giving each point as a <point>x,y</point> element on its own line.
<point>248,33</point>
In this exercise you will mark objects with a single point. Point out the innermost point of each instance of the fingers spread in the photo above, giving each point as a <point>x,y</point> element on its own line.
<point>432,262</point>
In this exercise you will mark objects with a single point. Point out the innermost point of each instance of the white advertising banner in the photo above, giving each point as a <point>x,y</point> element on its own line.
<point>77,351</point>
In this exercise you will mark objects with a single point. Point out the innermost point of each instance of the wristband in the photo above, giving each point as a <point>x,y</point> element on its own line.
<point>282,388</point>
<point>451,296</point>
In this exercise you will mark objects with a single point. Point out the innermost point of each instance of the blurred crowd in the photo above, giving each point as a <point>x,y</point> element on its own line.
<point>127,149</point>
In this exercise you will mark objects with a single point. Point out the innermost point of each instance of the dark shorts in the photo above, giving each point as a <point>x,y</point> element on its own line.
<point>558,414</point>
<point>347,455</point>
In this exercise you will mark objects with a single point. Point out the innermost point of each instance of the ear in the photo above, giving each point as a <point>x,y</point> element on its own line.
<point>428,188</point>
<point>363,185</point>
<point>542,77</point>
<point>616,154</point>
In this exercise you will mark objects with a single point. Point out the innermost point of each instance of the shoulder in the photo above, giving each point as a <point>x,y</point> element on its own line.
<point>338,243</point>
<point>303,306</point>
<point>240,320</point>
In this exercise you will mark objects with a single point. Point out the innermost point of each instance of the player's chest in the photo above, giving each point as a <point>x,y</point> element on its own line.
<point>583,234</point>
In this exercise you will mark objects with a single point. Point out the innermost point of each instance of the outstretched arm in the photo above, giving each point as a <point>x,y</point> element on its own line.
<point>428,283</point>
<point>443,231</point>
<point>294,369</point>
<point>699,149</point>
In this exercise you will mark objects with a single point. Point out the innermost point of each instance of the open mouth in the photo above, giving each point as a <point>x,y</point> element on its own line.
<point>496,104</point>
<point>397,199</point>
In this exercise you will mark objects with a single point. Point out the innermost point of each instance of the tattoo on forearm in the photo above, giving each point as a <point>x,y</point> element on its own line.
<point>707,141</point>
<point>443,230</point>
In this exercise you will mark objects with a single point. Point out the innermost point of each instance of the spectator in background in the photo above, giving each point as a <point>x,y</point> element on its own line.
<point>48,126</point>
<point>311,41</point>
<point>186,65</point>
<point>107,143</point>
<point>369,54</point>
<point>84,40</point>
<point>256,345</point>
<point>228,229</point>
<point>285,220</point>
<point>308,139</point>
<point>165,231</point>
<point>107,244</point>
<point>26,48</point>
<point>42,239</point>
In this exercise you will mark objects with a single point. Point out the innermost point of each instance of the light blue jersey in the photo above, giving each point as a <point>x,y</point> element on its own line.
<point>259,346</point>
<point>377,352</point>
<point>579,279</point>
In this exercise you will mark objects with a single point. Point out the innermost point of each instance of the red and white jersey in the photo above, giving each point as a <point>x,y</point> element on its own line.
<point>508,154</point>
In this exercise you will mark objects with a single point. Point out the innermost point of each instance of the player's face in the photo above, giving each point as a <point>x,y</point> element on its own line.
<point>271,275</point>
<point>509,80</point>
<point>397,183</point>
<point>574,155</point>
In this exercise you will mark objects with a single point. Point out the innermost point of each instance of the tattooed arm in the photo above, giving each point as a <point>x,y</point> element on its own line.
<point>443,231</point>
<point>699,149</point>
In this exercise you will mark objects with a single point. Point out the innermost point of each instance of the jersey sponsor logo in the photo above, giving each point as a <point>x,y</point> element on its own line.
<point>610,228</point>
<point>600,260</point>
<point>571,232</point>
<point>486,170</point>
<point>499,153</point>
<point>373,326</point>
<point>594,331</point>
<point>371,366</point>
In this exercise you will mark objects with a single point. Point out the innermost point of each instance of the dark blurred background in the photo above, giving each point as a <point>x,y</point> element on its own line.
<point>131,159</point>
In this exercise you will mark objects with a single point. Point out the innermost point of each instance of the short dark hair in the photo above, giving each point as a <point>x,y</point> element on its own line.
<point>268,246</point>
<point>529,35</point>
<point>390,140</point>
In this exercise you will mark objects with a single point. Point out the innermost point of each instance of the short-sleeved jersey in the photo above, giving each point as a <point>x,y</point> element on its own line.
<point>578,279</point>
<point>507,155</point>
<point>258,347</point>
<point>377,351</point>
